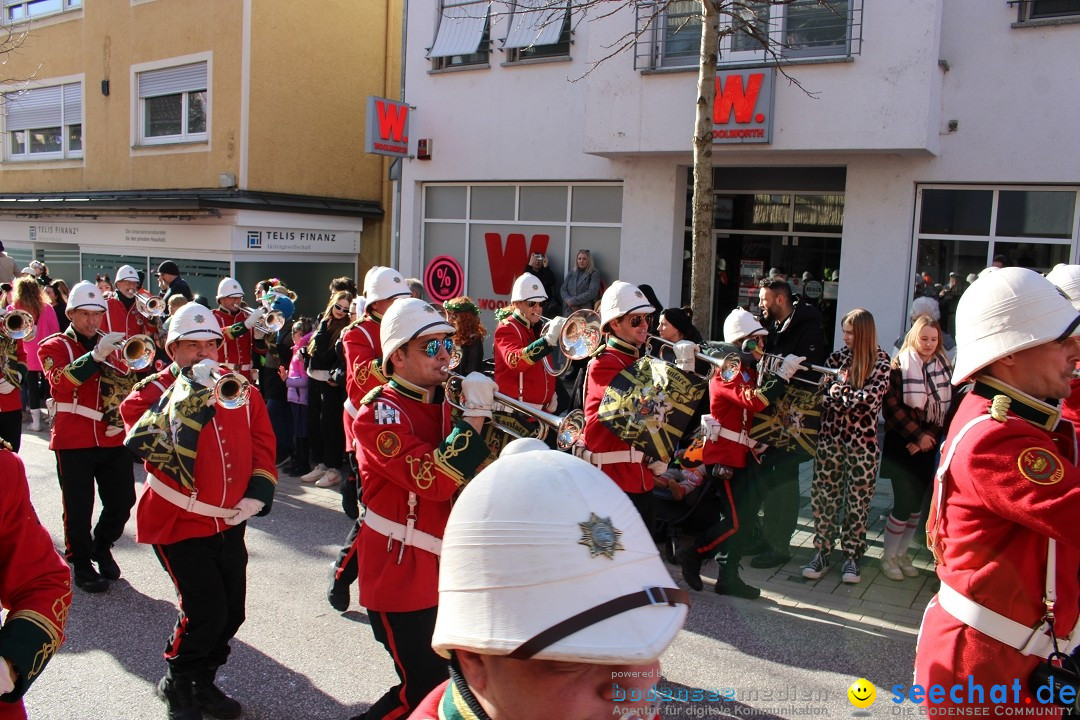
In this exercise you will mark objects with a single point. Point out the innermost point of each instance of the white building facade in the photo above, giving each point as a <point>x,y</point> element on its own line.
<point>925,137</point>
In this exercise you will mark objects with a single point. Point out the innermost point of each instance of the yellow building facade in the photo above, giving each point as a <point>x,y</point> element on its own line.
<point>227,135</point>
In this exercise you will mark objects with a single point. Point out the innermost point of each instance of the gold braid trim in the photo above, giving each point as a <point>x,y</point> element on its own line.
<point>48,648</point>
<point>265,474</point>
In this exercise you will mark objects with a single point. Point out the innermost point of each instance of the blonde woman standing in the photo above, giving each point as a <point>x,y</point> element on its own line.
<point>915,406</point>
<point>845,468</point>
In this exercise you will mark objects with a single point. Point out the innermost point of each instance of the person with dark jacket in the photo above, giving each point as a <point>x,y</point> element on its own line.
<point>794,329</point>
<point>582,285</point>
<point>171,283</point>
<point>326,394</point>
<point>538,267</point>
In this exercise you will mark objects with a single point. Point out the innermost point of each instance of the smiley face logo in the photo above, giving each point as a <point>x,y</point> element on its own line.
<point>862,693</point>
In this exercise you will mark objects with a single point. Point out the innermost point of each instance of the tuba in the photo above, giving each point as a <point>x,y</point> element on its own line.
<point>579,339</point>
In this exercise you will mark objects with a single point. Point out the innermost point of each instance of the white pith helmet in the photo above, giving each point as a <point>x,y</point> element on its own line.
<point>741,324</point>
<point>539,537</point>
<point>528,287</point>
<point>229,288</point>
<point>1006,311</point>
<point>86,296</point>
<point>383,283</point>
<point>126,272</point>
<point>407,320</point>
<point>622,298</point>
<point>1067,277</point>
<point>193,322</point>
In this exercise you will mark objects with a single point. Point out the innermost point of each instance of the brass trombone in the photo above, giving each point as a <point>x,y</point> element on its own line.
<point>580,337</point>
<point>149,306</point>
<point>137,351</point>
<point>272,322</point>
<point>568,430</point>
<point>728,366</point>
<point>18,325</point>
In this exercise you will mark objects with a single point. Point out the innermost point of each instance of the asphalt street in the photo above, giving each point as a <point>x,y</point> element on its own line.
<point>296,657</point>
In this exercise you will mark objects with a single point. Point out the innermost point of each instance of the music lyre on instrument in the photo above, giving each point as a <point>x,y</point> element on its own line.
<point>18,325</point>
<point>579,338</point>
<point>137,351</point>
<point>567,429</point>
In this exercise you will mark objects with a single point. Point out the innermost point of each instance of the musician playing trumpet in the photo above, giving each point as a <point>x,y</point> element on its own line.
<point>519,348</point>
<point>242,341</point>
<point>210,469</point>
<point>124,314</point>
<point>12,371</point>
<point>88,445</point>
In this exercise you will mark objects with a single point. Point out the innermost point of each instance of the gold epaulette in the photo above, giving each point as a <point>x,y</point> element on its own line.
<point>999,407</point>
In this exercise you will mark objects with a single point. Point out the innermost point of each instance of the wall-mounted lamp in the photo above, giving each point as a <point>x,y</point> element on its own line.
<point>105,88</point>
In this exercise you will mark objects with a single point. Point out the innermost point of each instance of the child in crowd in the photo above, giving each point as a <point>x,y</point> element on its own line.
<point>296,380</point>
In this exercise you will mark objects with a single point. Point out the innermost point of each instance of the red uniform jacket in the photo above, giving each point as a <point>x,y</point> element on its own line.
<point>234,459</point>
<point>616,357</point>
<point>75,382</point>
<point>733,404</point>
<point>408,445</point>
<point>239,346</point>
<point>12,353</point>
<point>1011,485</point>
<point>35,587</point>
<point>362,347</point>
<point>121,318</point>
<point>518,370</point>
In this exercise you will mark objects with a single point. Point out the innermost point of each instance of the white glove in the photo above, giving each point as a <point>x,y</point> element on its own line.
<point>658,467</point>
<point>7,676</point>
<point>791,365</point>
<point>710,428</point>
<point>554,330</point>
<point>256,315</point>
<point>684,355</point>
<point>245,509</point>
<point>478,395</point>
<point>6,387</point>
<point>203,372</point>
<point>112,342</point>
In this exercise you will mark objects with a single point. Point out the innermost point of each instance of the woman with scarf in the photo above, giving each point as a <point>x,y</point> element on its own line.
<point>915,405</point>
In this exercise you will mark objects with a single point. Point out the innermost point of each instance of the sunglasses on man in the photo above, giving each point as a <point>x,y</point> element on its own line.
<point>431,348</point>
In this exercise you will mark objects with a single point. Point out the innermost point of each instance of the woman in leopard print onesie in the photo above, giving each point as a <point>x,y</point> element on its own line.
<point>845,468</point>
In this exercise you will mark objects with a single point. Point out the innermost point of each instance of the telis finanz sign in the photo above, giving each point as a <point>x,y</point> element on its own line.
<point>743,107</point>
<point>387,129</point>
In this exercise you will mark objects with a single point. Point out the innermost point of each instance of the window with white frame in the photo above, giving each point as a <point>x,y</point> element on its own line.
<point>670,35</point>
<point>1030,10</point>
<point>16,11</point>
<point>44,123</point>
<point>463,37</point>
<point>173,104</point>
<point>538,29</point>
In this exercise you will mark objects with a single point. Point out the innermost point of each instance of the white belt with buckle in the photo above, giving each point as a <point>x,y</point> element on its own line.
<point>399,532</point>
<point>77,409</point>
<point>188,502</point>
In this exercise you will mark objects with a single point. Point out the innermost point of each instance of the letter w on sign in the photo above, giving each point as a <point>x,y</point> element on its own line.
<point>392,120</point>
<point>506,261</point>
<point>732,96</point>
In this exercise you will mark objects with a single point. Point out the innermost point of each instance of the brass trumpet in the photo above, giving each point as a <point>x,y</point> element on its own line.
<point>568,430</point>
<point>580,337</point>
<point>18,325</point>
<point>270,323</point>
<point>231,389</point>
<point>771,363</point>
<point>149,306</point>
<point>137,351</point>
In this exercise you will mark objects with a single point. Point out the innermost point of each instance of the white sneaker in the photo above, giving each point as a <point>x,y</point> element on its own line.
<point>890,568</point>
<point>906,567</point>
<point>331,479</point>
<point>315,474</point>
<point>851,571</point>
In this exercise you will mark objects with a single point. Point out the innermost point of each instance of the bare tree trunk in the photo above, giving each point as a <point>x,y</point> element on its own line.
<point>704,266</point>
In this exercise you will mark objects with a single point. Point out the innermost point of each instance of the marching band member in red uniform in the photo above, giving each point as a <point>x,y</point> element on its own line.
<point>624,315</point>
<point>413,460</point>
<point>1002,521</point>
<point>123,315</point>
<point>12,371</point>
<point>242,341</point>
<point>34,589</point>
<point>537,538</point>
<point>732,406</point>
<point>362,349</point>
<point>1067,278</point>
<point>519,348</point>
<point>88,443</point>
<point>210,469</point>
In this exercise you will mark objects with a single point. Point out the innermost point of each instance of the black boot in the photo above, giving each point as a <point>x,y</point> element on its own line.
<point>339,596</point>
<point>88,579</point>
<point>209,697</point>
<point>728,581</point>
<point>690,562</point>
<point>300,464</point>
<point>175,690</point>
<point>107,566</point>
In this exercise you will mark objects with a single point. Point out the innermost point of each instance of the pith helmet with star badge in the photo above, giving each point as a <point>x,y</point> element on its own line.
<point>545,557</point>
<point>193,322</point>
<point>86,296</point>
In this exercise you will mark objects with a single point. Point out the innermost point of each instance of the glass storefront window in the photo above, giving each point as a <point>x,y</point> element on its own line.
<point>763,212</point>
<point>819,213</point>
<point>1026,213</point>
<point>1037,256</point>
<point>956,212</point>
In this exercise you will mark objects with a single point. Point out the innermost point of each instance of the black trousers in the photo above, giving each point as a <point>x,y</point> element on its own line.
<point>11,428</point>
<point>778,480</point>
<point>407,637</point>
<point>911,475</point>
<point>346,568</point>
<point>646,507</point>
<point>77,470</point>
<point>210,576</point>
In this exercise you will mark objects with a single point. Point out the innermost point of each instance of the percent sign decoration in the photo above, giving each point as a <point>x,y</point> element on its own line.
<point>444,278</point>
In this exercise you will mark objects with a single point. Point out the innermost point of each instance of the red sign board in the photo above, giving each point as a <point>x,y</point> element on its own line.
<point>387,131</point>
<point>743,106</point>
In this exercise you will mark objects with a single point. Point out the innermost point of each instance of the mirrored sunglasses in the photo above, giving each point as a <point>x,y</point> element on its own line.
<point>636,320</point>
<point>431,349</point>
